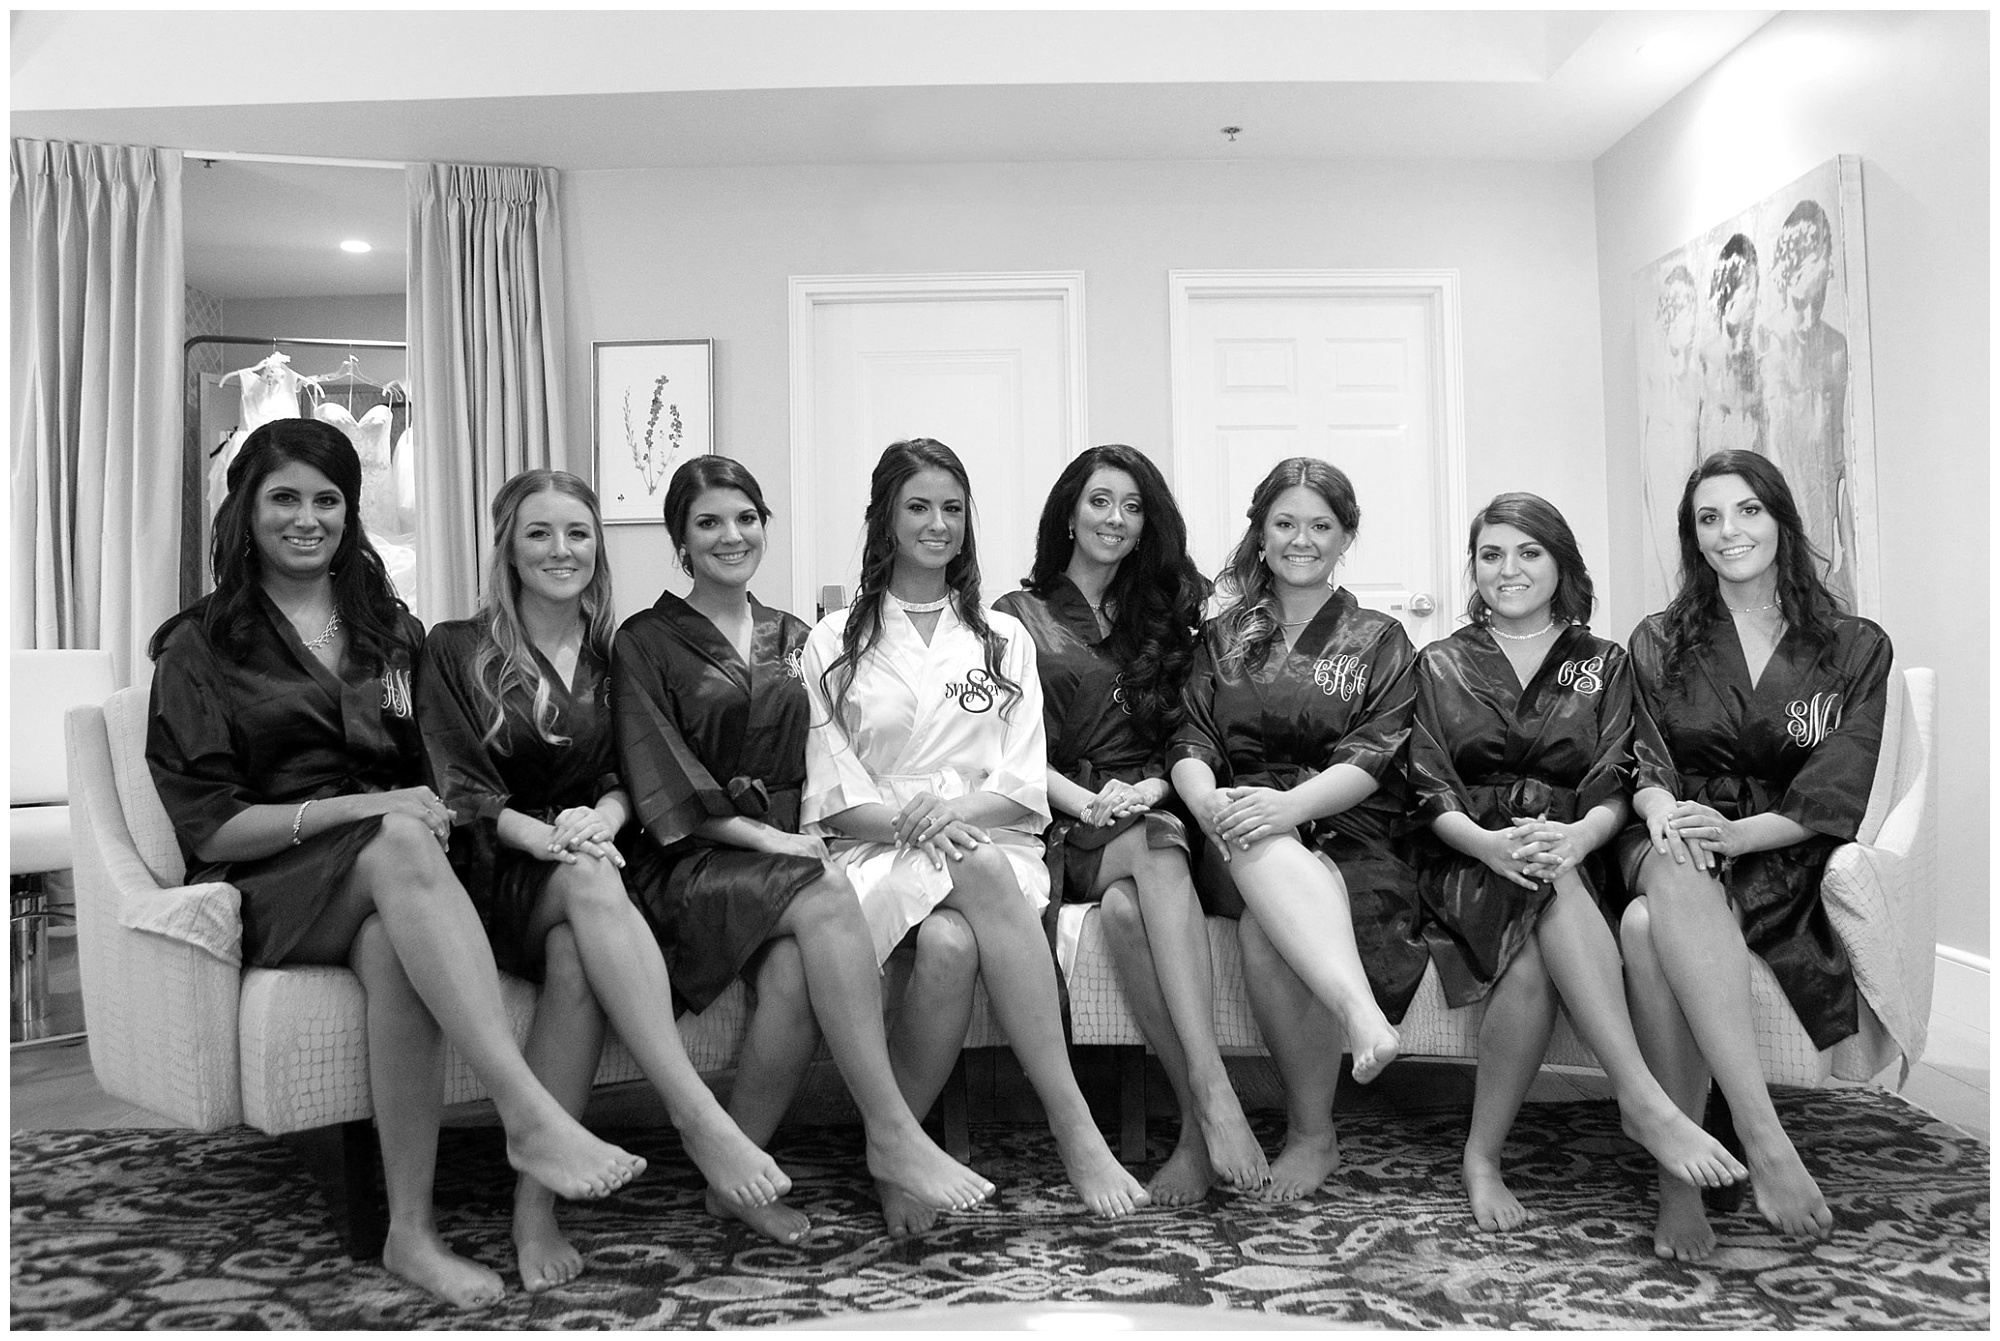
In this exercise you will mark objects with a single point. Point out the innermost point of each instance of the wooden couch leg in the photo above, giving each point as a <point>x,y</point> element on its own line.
<point>1131,1103</point>
<point>346,1162</point>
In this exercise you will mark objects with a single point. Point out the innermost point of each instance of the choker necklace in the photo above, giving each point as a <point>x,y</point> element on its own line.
<point>1753,610</point>
<point>326,634</point>
<point>1499,632</point>
<point>920,607</point>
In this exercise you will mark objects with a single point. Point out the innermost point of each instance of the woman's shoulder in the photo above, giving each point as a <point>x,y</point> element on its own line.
<point>830,628</point>
<point>454,637</point>
<point>1007,625</point>
<point>1860,631</point>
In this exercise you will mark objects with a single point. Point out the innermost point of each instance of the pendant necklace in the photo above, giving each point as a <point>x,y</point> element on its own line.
<point>1499,632</point>
<point>920,607</point>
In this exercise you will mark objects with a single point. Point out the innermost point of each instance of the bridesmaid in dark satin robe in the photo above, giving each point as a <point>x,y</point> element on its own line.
<point>1297,713</point>
<point>1518,766</point>
<point>1760,721</point>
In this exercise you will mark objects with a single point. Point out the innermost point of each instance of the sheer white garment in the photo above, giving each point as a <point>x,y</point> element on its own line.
<point>926,719</point>
<point>270,391</point>
<point>381,516</point>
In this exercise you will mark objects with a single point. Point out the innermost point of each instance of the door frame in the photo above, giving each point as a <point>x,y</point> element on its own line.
<point>1451,511</point>
<point>811,291</point>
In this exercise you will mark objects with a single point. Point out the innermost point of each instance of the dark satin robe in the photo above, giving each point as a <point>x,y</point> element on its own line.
<point>1342,695</point>
<point>702,734</point>
<point>519,771</point>
<point>276,728</point>
<point>1092,738</point>
<point>1803,744</point>
<point>1485,747</point>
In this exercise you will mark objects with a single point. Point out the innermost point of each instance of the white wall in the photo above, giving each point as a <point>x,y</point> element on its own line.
<point>1908,93</point>
<point>706,252</point>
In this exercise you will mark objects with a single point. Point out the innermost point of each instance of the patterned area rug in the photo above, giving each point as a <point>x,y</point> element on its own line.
<point>175,1230</point>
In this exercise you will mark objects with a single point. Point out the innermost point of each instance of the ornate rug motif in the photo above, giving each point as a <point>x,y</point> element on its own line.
<point>166,1229</point>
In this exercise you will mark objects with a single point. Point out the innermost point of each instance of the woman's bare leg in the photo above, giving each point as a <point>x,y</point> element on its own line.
<point>563,1046</point>
<point>1179,942</point>
<point>629,976</point>
<point>406,1081</point>
<point>1304,1040</point>
<point>1187,1174</point>
<point>1701,951</point>
<point>778,1046</point>
<point>931,983</point>
<point>1021,981</point>
<point>1300,901</point>
<point>1513,1039</point>
<point>402,878</point>
<point>1582,960</point>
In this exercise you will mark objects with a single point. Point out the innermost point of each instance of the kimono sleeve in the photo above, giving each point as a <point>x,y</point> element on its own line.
<point>1829,794</point>
<point>190,750</point>
<point>671,790</point>
<point>1198,736</point>
<point>451,712</point>
<point>1610,772</point>
<point>836,779</point>
<point>1652,762</point>
<point>1023,774</point>
<point>1436,789</point>
<point>1381,724</point>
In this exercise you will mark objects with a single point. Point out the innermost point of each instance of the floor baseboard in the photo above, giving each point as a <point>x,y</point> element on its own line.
<point>1962,992</point>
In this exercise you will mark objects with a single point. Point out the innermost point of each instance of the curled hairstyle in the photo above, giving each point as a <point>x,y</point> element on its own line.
<point>695,477</point>
<point>367,604</point>
<point>505,660</point>
<point>1157,591</point>
<point>1536,518</point>
<point>1803,598</point>
<point>901,461</point>
<point>1250,625</point>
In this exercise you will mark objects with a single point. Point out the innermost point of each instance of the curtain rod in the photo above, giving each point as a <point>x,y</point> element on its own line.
<point>211,155</point>
<point>194,340</point>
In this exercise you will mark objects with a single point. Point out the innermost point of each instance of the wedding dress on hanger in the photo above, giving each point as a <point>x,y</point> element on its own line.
<point>381,510</point>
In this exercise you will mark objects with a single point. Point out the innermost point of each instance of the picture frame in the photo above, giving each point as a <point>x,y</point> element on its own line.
<point>652,407</point>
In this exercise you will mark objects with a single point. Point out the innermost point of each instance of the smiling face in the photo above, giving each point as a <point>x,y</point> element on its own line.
<point>1515,575</point>
<point>1109,517</point>
<point>554,547</point>
<point>929,521</point>
<point>1736,533</point>
<point>299,520</point>
<point>1302,538</point>
<point>725,538</point>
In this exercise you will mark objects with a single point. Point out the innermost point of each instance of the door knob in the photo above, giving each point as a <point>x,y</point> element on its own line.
<point>1421,604</point>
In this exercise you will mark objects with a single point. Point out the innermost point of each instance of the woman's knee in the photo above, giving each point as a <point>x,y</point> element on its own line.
<point>983,870</point>
<point>1120,910</point>
<point>945,944</point>
<point>588,885</point>
<point>781,980</point>
<point>403,852</point>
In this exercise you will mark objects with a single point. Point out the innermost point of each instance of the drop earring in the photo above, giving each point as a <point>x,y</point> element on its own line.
<point>681,555</point>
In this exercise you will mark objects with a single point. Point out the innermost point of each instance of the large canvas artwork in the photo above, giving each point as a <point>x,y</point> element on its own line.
<point>1755,335</point>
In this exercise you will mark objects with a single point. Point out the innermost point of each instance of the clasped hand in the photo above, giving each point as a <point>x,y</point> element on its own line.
<point>1533,851</point>
<point>933,826</point>
<point>582,829</point>
<point>420,803</point>
<point>1114,801</point>
<point>1240,816</point>
<point>1689,828</point>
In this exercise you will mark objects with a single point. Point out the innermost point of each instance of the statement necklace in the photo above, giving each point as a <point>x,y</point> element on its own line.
<point>326,634</point>
<point>1499,632</point>
<point>1753,610</point>
<point>920,607</point>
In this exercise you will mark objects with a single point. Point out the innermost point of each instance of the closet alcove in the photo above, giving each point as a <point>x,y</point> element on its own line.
<point>266,275</point>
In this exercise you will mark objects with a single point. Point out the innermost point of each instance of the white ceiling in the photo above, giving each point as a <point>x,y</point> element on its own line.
<point>653,89</point>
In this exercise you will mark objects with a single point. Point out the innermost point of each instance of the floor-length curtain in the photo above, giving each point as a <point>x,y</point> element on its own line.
<point>95,325</point>
<point>486,358</point>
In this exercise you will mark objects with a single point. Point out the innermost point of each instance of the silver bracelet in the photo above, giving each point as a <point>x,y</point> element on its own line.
<point>299,819</point>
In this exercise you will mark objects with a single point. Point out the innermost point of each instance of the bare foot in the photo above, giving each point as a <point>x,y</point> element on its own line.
<point>913,1163</point>
<point>1683,1149</point>
<point>775,1221</point>
<point>1187,1175</point>
<point>1103,1183</point>
<point>570,1162</point>
<point>543,1257</point>
<point>1787,1196</point>
<point>1373,1050</point>
<point>1494,1206</point>
<point>1232,1151</point>
<point>1682,1233</point>
<point>737,1171</point>
<point>422,1259</point>
<point>1307,1160</point>
<point>905,1214</point>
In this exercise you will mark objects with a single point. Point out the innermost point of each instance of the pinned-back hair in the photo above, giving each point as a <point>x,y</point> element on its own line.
<point>695,477</point>
<point>1250,625</point>
<point>1537,518</point>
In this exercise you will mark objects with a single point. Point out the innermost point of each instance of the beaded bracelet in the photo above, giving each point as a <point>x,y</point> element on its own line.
<point>299,819</point>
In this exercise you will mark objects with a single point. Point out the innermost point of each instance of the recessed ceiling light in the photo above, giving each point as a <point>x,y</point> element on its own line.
<point>355,245</point>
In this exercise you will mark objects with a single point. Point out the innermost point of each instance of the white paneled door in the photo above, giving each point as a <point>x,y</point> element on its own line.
<point>1357,368</point>
<point>990,365</point>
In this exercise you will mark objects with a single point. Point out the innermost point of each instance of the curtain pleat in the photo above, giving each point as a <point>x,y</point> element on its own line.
<point>486,358</point>
<point>95,329</point>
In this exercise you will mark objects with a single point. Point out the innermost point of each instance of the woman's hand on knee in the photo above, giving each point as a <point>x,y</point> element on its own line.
<point>1548,848</point>
<point>417,803</point>
<point>1251,814</point>
<point>582,829</point>
<point>1503,853</point>
<point>1710,836</point>
<point>1114,801</point>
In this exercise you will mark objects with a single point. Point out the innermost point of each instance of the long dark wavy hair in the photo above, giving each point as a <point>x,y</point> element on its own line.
<point>695,477</point>
<point>1536,518</point>
<point>368,606</point>
<point>1155,595</point>
<point>900,461</point>
<point>1250,625</point>
<point>505,659</point>
<point>1803,598</point>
